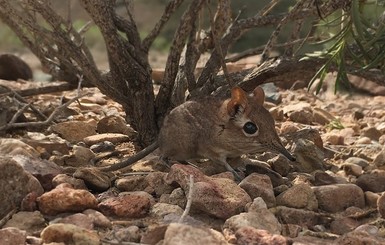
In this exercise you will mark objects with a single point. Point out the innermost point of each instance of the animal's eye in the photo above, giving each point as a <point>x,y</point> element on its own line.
<point>250,128</point>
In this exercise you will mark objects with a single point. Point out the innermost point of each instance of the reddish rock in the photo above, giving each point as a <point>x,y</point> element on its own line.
<point>259,185</point>
<point>220,197</point>
<point>129,205</point>
<point>177,234</point>
<point>298,196</point>
<point>338,197</point>
<point>43,170</point>
<point>12,235</point>
<point>249,235</point>
<point>65,199</point>
<point>69,234</point>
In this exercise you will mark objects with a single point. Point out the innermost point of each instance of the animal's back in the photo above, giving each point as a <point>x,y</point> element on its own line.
<point>187,128</point>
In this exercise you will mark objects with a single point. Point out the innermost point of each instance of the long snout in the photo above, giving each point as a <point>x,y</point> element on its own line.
<point>281,149</point>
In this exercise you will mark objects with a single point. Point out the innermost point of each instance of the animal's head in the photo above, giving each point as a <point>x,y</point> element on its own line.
<point>250,125</point>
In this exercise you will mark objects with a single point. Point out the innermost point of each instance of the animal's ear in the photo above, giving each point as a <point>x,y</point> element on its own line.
<point>259,95</point>
<point>238,101</point>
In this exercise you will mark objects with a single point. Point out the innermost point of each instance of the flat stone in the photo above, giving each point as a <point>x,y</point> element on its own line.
<point>114,138</point>
<point>30,222</point>
<point>177,234</point>
<point>220,197</point>
<point>12,235</point>
<point>128,204</point>
<point>372,181</point>
<point>69,234</point>
<point>298,196</point>
<point>74,131</point>
<point>338,197</point>
<point>65,199</point>
<point>250,235</point>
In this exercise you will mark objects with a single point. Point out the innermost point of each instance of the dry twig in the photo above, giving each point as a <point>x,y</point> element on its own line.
<point>49,120</point>
<point>189,199</point>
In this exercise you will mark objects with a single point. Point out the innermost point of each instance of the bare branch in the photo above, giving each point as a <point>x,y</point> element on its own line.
<point>162,102</point>
<point>169,10</point>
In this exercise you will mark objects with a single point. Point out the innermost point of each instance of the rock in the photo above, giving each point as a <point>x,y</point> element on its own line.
<point>163,209</point>
<point>114,138</point>
<point>131,183</point>
<point>372,181</point>
<point>257,204</point>
<point>363,141</point>
<point>154,234</point>
<point>306,134</point>
<point>15,185</point>
<point>30,222</point>
<point>277,113</point>
<point>261,168</point>
<point>126,235</point>
<point>280,164</point>
<point>298,196</point>
<point>261,219</point>
<point>381,205</point>
<point>94,178</point>
<point>289,127</point>
<point>352,169</point>
<point>371,199</point>
<point>156,184</point>
<point>323,178</point>
<point>43,170</point>
<point>335,198</point>
<point>102,147</point>
<point>127,204</point>
<point>333,138</point>
<point>78,219</point>
<point>358,238</point>
<point>13,68</point>
<point>49,146</point>
<point>259,185</point>
<point>114,124</point>
<point>379,159</point>
<point>74,182</point>
<point>83,156</point>
<point>177,234</point>
<point>13,147</point>
<point>291,230</point>
<point>343,225</point>
<point>178,197</point>
<point>357,161</point>
<point>219,197</point>
<point>371,132</point>
<point>321,116</point>
<point>12,235</point>
<point>249,235</point>
<point>65,199</point>
<point>308,156</point>
<point>381,140</point>
<point>98,218</point>
<point>295,216</point>
<point>302,116</point>
<point>69,234</point>
<point>74,131</point>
